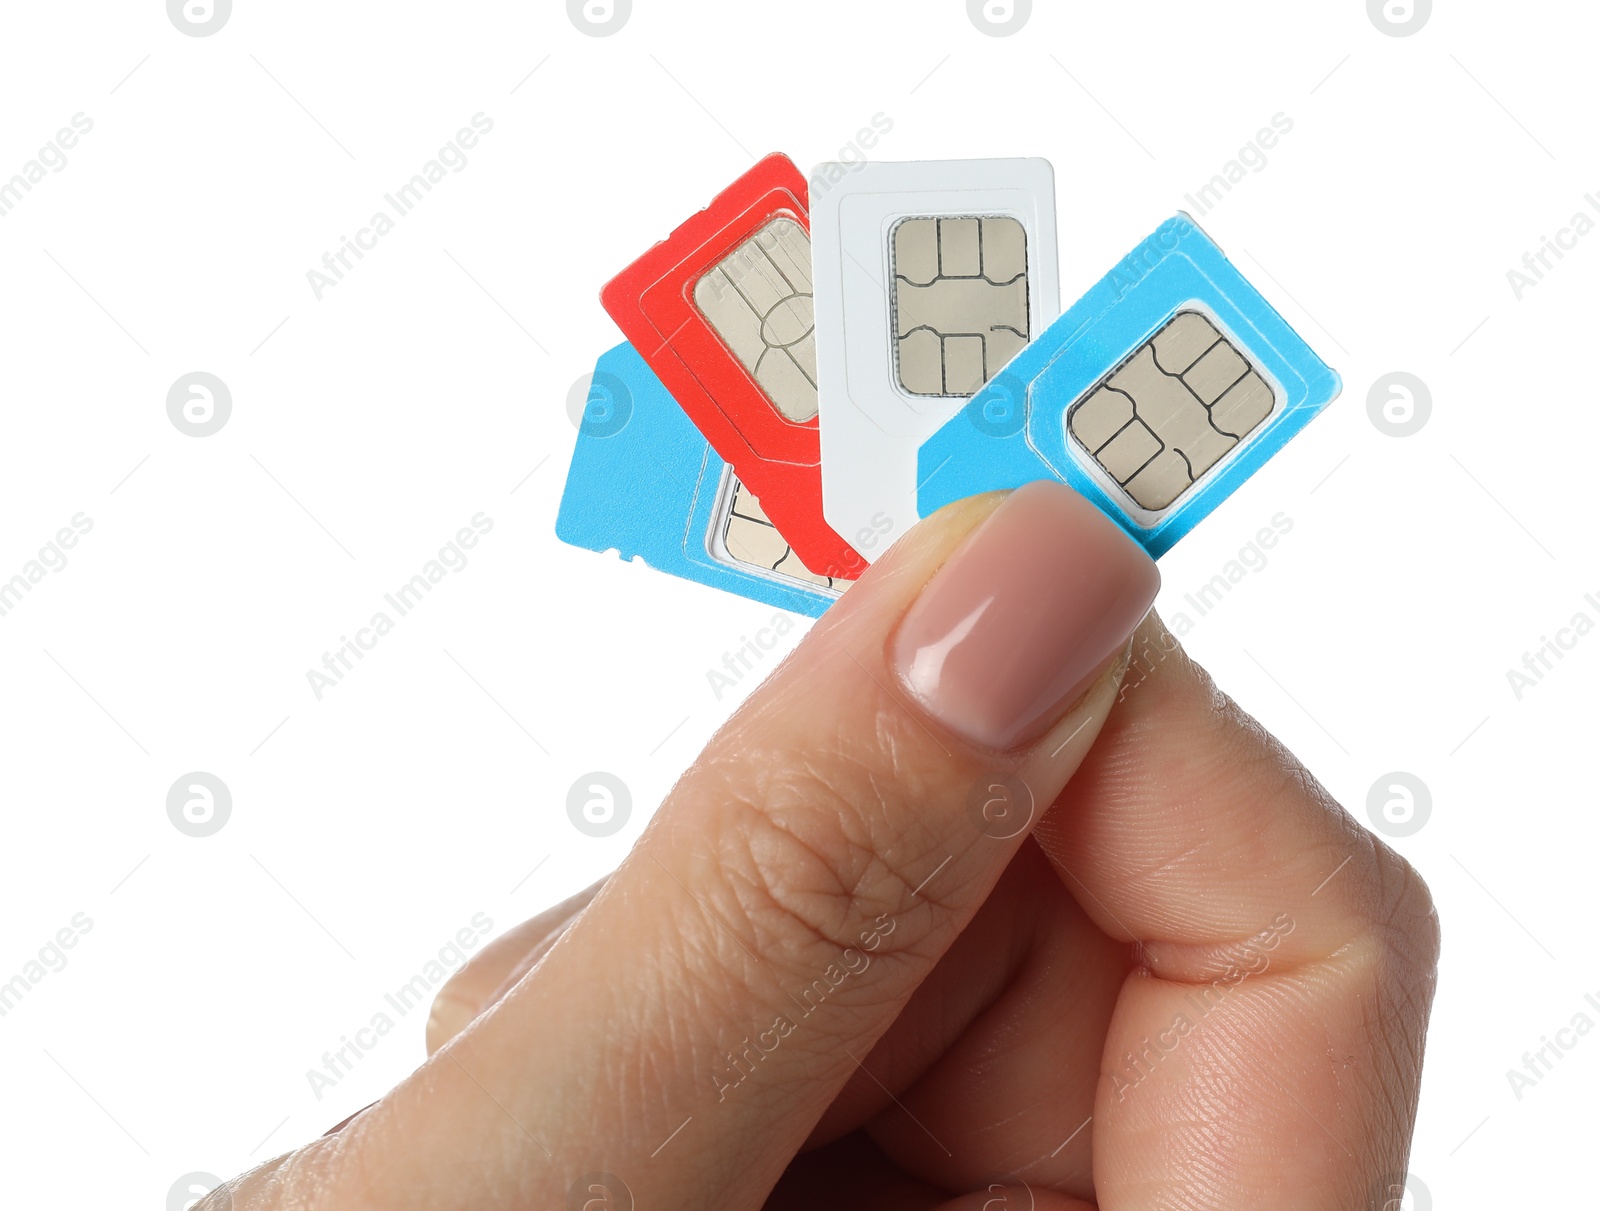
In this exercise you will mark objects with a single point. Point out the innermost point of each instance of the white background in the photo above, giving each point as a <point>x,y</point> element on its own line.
<point>430,385</point>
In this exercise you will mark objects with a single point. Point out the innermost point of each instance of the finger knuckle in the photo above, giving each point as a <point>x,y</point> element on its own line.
<point>802,856</point>
<point>1403,911</point>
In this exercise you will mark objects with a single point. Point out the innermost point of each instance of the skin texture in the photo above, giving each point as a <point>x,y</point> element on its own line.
<point>1190,981</point>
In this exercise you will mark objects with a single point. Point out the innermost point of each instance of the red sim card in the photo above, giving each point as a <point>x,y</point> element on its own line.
<point>721,311</point>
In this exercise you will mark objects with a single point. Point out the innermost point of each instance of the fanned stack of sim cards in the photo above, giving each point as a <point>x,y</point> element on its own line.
<point>804,378</point>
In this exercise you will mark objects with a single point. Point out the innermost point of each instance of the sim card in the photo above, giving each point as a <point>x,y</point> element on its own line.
<point>721,311</point>
<point>645,483</point>
<point>930,277</point>
<point>1156,395</point>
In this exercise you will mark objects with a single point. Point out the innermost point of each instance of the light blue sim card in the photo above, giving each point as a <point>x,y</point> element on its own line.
<point>644,483</point>
<point>1155,395</point>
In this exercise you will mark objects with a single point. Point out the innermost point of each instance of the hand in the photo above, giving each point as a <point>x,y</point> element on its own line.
<point>957,912</point>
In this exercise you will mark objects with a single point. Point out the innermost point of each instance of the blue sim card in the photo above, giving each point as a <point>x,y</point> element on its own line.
<point>1155,395</point>
<point>644,483</point>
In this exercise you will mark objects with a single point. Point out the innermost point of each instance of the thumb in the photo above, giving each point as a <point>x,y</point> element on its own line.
<point>692,1025</point>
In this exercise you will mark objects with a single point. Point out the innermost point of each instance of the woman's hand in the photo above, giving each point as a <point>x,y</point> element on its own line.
<point>960,910</point>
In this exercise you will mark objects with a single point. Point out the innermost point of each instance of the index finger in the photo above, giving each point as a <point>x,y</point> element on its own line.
<point>1272,1037</point>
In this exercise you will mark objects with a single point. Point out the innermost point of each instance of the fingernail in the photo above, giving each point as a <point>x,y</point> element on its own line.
<point>1019,622</point>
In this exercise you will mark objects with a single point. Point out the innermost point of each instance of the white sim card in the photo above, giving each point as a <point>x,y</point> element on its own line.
<point>928,277</point>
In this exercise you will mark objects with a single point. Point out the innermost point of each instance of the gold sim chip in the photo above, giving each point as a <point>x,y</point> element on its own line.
<point>1169,412</point>
<point>757,299</point>
<point>749,538</point>
<point>960,300</point>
